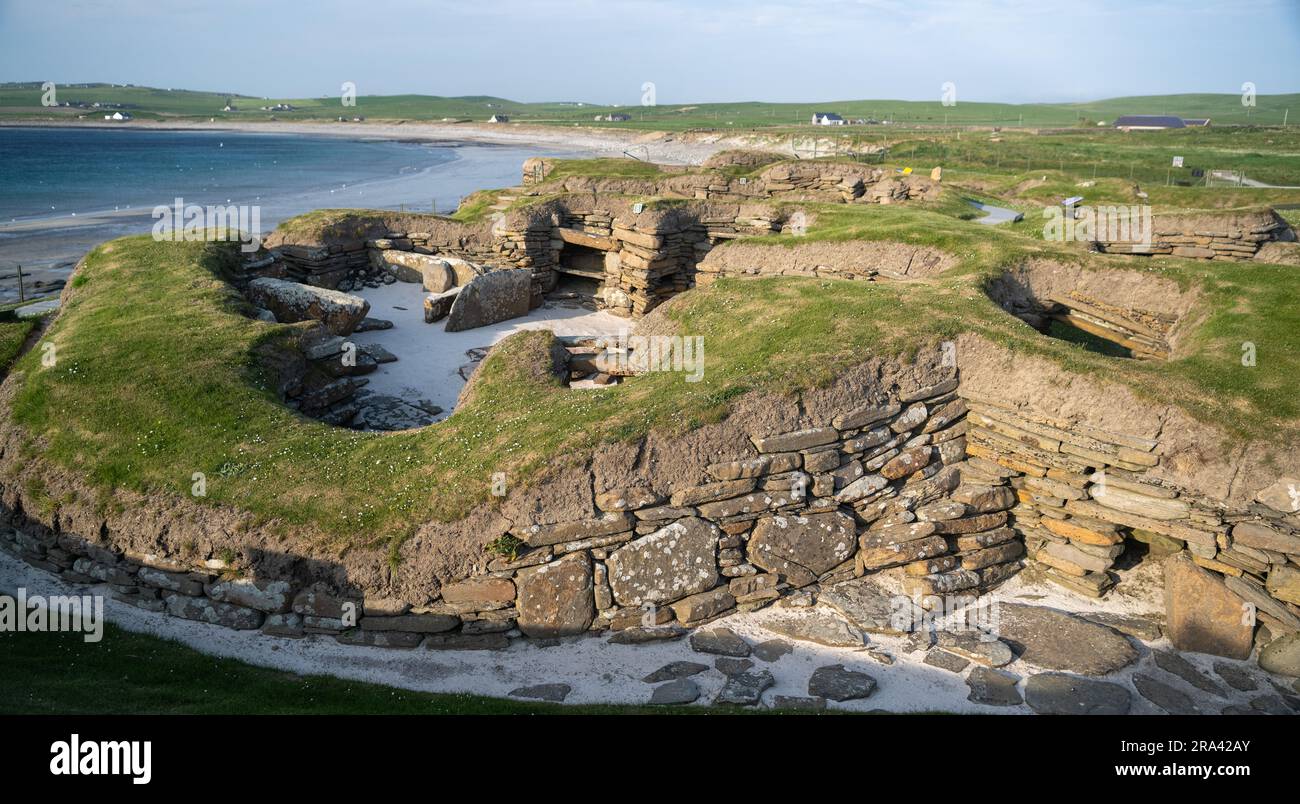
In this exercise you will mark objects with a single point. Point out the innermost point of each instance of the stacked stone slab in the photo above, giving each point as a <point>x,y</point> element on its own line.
<point>1083,494</point>
<point>1231,237</point>
<point>324,265</point>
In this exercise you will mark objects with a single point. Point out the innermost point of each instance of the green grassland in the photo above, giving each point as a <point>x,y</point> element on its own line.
<point>143,395</point>
<point>24,100</point>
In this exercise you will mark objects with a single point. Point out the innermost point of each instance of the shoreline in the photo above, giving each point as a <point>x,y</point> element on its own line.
<point>654,146</point>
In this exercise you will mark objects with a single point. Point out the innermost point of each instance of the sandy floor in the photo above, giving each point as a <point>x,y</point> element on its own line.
<point>599,672</point>
<point>428,357</point>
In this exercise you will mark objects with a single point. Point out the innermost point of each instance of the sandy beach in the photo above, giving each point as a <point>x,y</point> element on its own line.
<point>652,146</point>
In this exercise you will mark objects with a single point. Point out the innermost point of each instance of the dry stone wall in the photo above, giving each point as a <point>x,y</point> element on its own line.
<point>812,180</point>
<point>1084,496</point>
<point>1229,237</point>
<point>873,487</point>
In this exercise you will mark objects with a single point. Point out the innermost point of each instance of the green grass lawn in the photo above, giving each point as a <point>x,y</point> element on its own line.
<point>13,334</point>
<point>128,673</point>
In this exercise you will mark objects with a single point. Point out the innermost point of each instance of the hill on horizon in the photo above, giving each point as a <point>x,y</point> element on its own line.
<point>22,100</point>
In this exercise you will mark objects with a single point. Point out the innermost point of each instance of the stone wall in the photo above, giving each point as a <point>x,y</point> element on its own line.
<point>1084,496</point>
<point>1231,237</point>
<point>810,180</point>
<point>873,487</point>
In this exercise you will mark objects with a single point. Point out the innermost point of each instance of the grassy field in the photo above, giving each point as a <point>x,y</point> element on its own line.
<point>130,674</point>
<point>24,101</point>
<point>144,395</point>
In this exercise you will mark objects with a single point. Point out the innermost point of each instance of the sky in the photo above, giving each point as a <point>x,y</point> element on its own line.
<point>603,51</point>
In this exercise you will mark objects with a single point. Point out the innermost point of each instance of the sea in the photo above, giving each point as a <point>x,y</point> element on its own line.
<point>65,190</point>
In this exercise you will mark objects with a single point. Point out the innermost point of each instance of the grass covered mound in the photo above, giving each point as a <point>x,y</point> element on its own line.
<point>160,374</point>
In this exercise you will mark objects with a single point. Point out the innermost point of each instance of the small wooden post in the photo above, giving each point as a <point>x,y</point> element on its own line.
<point>22,296</point>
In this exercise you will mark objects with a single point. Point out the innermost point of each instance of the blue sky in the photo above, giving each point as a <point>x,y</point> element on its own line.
<point>602,51</point>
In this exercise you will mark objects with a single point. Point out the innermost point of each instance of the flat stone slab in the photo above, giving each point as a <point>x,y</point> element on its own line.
<point>993,687</point>
<point>294,301</point>
<point>731,666</point>
<point>492,297</point>
<point>674,562</point>
<point>1064,694</point>
<point>944,660</point>
<point>555,693</point>
<point>1270,705</point>
<point>800,548</point>
<point>642,635</point>
<point>680,691</point>
<point>675,670</point>
<point>798,703</point>
<point>720,642</point>
<point>1145,628</point>
<point>869,607</point>
<point>1058,641</point>
<point>772,649</point>
<point>1173,701</point>
<point>839,684</point>
<point>744,689</point>
<point>1174,663</point>
<point>978,647</point>
<point>820,627</point>
<point>1237,677</point>
<point>1202,614</point>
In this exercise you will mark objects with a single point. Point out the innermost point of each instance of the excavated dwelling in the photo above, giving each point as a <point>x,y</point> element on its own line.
<point>943,473</point>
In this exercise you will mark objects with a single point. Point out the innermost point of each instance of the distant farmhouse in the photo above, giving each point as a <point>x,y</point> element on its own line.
<point>827,119</point>
<point>615,117</point>
<point>1155,122</point>
<point>119,116</point>
<point>279,107</point>
<point>498,118</point>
